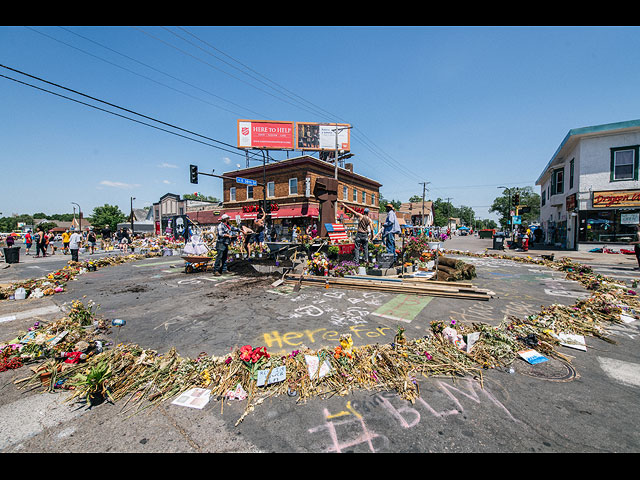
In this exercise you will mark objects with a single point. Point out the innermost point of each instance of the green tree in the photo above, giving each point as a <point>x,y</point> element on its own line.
<point>107,215</point>
<point>528,198</point>
<point>383,202</point>
<point>416,199</point>
<point>193,196</point>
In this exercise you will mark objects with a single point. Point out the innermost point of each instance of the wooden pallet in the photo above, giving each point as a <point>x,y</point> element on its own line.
<point>430,288</point>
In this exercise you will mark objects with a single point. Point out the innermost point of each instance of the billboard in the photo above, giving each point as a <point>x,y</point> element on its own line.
<point>322,136</point>
<point>268,134</point>
<point>277,135</point>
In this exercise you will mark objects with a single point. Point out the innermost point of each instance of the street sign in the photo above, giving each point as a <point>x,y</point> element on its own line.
<point>246,181</point>
<point>517,219</point>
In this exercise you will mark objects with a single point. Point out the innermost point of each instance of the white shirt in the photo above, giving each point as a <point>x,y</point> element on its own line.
<point>75,241</point>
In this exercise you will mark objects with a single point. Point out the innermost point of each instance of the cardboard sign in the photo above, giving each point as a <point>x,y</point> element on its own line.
<point>572,341</point>
<point>532,357</point>
<point>194,398</point>
<point>313,364</point>
<point>278,374</point>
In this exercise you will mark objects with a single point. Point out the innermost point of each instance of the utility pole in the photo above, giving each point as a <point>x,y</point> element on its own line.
<point>424,188</point>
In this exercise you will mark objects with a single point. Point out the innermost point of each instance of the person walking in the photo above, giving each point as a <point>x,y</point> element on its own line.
<point>74,245</point>
<point>363,233</point>
<point>390,228</point>
<point>222,245</point>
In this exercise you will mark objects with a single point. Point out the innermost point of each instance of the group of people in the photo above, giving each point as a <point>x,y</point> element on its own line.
<point>72,241</point>
<point>365,232</point>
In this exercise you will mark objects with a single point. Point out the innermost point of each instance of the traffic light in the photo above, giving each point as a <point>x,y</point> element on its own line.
<point>193,173</point>
<point>516,199</point>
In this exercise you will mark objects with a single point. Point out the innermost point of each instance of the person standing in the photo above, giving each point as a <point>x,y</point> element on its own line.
<point>48,241</point>
<point>65,242</point>
<point>74,245</point>
<point>390,228</point>
<point>222,245</point>
<point>28,241</point>
<point>363,233</point>
<point>41,243</point>
<point>636,245</point>
<point>91,238</point>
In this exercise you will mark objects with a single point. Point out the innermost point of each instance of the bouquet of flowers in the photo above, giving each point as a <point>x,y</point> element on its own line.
<point>319,264</point>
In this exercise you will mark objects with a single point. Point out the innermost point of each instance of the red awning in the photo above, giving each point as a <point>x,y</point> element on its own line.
<point>296,211</point>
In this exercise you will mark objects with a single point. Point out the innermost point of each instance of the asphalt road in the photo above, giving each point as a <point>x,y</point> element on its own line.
<point>550,407</point>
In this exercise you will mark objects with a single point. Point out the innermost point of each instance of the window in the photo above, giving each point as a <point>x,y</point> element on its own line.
<point>364,197</point>
<point>232,194</point>
<point>624,164</point>
<point>355,195</point>
<point>571,165</point>
<point>271,189</point>
<point>345,193</point>
<point>249,192</point>
<point>544,197</point>
<point>293,186</point>
<point>557,181</point>
<point>373,199</point>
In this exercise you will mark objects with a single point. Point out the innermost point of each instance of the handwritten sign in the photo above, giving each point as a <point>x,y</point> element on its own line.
<point>315,369</point>
<point>278,374</point>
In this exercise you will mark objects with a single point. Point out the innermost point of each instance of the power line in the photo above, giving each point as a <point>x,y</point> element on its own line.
<point>395,164</point>
<point>115,106</point>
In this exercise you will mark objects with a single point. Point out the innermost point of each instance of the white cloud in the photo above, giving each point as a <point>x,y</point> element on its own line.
<point>166,181</point>
<point>167,165</point>
<point>109,183</point>
<point>226,160</point>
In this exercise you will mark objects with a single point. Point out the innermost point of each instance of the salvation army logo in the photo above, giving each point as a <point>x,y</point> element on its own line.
<point>245,130</point>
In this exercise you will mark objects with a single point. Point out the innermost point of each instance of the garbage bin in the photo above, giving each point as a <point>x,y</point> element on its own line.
<point>498,241</point>
<point>12,254</point>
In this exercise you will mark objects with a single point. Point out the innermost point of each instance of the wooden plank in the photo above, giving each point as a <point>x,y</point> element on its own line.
<point>392,287</point>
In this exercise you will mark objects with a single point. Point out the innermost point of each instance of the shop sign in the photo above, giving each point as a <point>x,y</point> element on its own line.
<point>629,218</point>
<point>616,198</point>
<point>255,208</point>
<point>571,202</point>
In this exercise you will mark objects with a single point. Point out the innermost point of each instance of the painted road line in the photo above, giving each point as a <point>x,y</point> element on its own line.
<point>158,263</point>
<point>403,308</point>
<point>30,313</point>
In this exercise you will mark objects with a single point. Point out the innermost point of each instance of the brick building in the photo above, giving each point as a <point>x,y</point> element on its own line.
<point>290,186</point>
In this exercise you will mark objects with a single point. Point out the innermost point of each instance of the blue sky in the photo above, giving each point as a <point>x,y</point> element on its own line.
<point>467,109</point>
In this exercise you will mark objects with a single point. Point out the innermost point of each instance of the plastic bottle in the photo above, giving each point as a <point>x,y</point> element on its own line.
<point>20,293</point>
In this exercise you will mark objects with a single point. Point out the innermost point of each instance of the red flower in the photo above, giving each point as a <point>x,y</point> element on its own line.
<point>245,353</point>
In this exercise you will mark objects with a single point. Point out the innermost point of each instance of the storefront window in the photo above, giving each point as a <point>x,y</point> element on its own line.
<point>614,226</point>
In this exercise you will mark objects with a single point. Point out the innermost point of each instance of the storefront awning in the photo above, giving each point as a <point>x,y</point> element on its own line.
<point>294,211</point>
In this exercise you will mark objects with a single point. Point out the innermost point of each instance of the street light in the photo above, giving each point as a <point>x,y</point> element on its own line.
<point>132,199</point>
<point>79,216</point>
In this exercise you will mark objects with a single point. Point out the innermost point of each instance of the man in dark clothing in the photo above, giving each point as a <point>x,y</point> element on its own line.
<point>222,245</point>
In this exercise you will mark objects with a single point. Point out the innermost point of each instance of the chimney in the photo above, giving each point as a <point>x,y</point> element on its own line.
<point>349,166</point>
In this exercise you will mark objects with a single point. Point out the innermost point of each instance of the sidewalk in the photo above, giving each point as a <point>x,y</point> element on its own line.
<point>474,244</point>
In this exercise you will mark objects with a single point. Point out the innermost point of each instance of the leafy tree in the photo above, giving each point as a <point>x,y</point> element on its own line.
<point>193,196</point>
<point>416,199</point>
<point>528,198</point>
<point>107,215</point>
<point>383,202</point>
